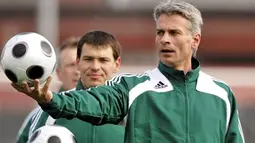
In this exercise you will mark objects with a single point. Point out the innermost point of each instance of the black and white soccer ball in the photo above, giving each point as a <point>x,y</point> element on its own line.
<point>52,134</point>
<point>28,56</point>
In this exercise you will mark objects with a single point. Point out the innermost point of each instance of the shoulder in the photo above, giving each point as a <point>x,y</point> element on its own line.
<point>218,81</point>
<point>33,112</point>
<point>207,81</point>
<point>63,92</point>
<point>127,77</point>
<point>28,120</point>
<point>39,119</point>
<point>39,116</point>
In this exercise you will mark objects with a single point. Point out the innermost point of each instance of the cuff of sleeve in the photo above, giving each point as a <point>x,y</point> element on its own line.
<point>51,103</point>
<point>51,107</point>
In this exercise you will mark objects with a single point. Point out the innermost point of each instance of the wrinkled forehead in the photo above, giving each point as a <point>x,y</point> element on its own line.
<point>169,22</point>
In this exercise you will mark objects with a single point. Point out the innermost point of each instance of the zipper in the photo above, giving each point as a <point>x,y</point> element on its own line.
<point>187,111</point>
<point>93,131</point>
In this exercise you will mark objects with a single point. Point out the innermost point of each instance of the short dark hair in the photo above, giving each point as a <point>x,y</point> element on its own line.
<point>98,39</point>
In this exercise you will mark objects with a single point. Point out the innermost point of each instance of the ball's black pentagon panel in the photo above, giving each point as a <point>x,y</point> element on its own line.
<point>19,50</point>
<point>35,72</point>
<point>46,48</point>
<point>54,139</point>
<point>10,75</point>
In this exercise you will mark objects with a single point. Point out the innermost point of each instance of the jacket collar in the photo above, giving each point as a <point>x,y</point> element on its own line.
<point>79,85</point>
<point>61,89</point>
<point>178,75</point>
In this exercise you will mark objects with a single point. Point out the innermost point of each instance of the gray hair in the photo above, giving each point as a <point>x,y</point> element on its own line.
<point>182,8</point>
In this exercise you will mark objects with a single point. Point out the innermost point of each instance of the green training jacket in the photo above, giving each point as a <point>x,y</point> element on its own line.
<point>162,105</point>
<point>87,133</point>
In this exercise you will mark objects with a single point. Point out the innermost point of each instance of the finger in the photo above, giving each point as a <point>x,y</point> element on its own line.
<point>27,89</point>
<point>47,84</point>
<point>14,85</point>
<point>36,84</point>
<point>17,87</point>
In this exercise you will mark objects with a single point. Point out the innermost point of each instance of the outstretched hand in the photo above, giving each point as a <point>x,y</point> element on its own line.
<point>40,94</point>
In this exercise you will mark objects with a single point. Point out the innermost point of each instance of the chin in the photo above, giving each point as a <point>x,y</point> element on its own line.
<point>167,61</point>
<point>96,83</point>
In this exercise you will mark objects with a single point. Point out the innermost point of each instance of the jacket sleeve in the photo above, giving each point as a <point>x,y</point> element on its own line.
<point>235,132</point>
<point>97,105</point>
<point>23,134</point>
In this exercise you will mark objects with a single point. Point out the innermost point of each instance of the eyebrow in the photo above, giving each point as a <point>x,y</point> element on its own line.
<point>92,57</point>
<point>160,30</point>
<point>172,29</point>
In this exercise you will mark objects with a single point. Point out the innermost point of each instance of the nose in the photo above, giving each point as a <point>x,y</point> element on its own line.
<point>95,65</point>
<point>165,39</point>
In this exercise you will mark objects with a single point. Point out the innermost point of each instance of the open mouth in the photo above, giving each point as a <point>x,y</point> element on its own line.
<point>167,51</point>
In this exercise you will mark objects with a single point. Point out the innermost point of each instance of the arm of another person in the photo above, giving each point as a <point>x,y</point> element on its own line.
<point>97,105</point>
<point>235,132</point>
<point>23,133</point>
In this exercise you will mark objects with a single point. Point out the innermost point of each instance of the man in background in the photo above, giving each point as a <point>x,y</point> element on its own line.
<point>67,71</point>
<point>98,59</point>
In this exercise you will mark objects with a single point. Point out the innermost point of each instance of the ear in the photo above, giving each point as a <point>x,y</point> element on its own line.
<point>77,63</point>
<point>196,41</point>
<point>117,65</point>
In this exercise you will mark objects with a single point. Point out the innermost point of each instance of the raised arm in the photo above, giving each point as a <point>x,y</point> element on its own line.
<point>98,105</point>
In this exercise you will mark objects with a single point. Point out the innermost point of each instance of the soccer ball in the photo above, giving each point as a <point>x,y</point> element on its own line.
<point>52,134</point>
<point>28,56</point>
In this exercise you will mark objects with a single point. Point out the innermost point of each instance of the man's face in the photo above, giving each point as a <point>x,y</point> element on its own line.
<point>174,41</point>
<point>67,71</point>
<point>96,65</point>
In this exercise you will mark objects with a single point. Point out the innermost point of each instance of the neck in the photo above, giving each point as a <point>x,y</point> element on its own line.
<point>61,89</point>
<point>183,66</point>
<point>84,85</point>
<point>185,69</point>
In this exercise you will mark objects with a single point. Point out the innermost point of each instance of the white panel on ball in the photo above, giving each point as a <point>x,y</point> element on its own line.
<point>52,134</point>
<point>24,58</point>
